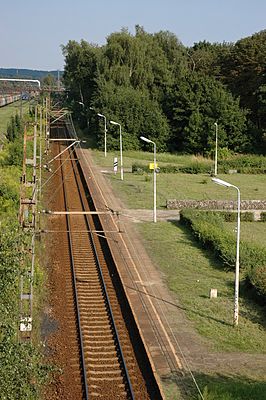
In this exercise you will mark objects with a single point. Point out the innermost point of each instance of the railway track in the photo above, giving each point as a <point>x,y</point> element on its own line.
<point>107,357</point>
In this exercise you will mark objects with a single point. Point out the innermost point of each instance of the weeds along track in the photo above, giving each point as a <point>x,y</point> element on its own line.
<point>107,357</point>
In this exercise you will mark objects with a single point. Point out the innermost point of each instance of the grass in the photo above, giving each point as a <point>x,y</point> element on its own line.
<point>190,273</point>
<point>7,111</point>
<point>191,270</point>
<point>137,190</point>
<point>142,157</point>
<point>254,232</point>
<point>217,387</point>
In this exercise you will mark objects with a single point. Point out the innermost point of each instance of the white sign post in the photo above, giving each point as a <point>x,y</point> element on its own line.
<point>115,165</point>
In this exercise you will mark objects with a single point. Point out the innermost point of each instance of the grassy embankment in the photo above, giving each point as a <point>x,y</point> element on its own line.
<point>189,269</point>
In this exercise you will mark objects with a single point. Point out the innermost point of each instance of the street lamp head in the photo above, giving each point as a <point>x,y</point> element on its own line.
<point>215,123</point>
<point>114,123</point>
<point>80,102</point>
<point>145,139</point>
<point>221,182</point>
<point>100,115</point>
<point>91,108</point>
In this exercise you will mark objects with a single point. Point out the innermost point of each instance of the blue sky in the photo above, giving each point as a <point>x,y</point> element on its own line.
<point>33,30</point>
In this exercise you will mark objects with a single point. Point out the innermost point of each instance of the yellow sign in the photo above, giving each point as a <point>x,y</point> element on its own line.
<point>151,165</point>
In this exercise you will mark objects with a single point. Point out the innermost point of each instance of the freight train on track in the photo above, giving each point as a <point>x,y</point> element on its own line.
<point>6,99</point>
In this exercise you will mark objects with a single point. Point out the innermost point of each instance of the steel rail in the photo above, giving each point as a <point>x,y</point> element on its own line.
<point>83,365</point>
<point>117,339</point>
<point>128,383</point>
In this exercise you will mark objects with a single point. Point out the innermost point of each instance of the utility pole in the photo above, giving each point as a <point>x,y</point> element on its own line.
<point>27,220</point>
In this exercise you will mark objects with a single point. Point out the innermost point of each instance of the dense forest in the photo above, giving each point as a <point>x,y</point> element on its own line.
<point>155,86</point>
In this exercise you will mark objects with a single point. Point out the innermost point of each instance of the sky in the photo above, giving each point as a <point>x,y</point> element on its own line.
<point>32,31</point>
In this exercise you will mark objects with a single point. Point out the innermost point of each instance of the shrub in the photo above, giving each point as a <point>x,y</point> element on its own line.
<point>208,229</point>
<point>192,168</point>
<point>15,153</point>
<point>14,128</point>
<point>229,216</point>
<point>263,216</point>
<point>244,164</point>
<point>20,362</point>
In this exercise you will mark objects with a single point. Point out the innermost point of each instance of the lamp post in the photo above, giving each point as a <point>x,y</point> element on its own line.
<point>121,154</point>
<point>216,148</point>
<point>105,131</point>
<point>154,176</point>
<point>236,307</point>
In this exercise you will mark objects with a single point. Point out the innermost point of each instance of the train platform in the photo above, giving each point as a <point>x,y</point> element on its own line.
<point>175,349</point>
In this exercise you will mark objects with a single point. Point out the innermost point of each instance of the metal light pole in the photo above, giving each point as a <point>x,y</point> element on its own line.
<point>105,131</point>
<point>121,154</point>
<point>216,148</point>
<point>236,306</point>
<point>154,176</point>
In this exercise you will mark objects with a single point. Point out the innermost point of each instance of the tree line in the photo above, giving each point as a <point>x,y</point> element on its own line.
<point>156,87</point>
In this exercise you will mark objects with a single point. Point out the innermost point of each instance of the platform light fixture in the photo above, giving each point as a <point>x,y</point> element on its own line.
<point>154,175</point>
<point>236,302</point>
<point>216,150</point>
<point>121,149</point>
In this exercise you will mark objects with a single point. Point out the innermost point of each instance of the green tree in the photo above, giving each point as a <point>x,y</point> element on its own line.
<point>196,103</point>
<point>80,69</point>
<point>137,113</point>
<point>186,89</point>
<point>244,71</point>
<point>49,81</point>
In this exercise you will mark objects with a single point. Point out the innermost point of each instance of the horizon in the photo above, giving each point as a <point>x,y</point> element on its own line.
<point>34,35</point>
<point>62,70</point>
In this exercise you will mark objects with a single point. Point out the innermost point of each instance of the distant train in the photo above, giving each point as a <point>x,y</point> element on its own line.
<point>8,99</point>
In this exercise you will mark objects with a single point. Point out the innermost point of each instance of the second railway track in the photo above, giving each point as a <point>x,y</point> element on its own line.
<point>108,359</point>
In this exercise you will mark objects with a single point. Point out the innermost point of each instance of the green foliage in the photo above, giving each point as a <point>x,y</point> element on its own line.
<point>49,81</point>
<point>137,113</point>
<point>245,164</point>
<point>208,229</point>
<point>192,168</point>
<point>14,153</point>
<point>14,149</point>
<point>146,83</point>
<point>11,240</point>
<point>243,70</point>
<point>223,388</point>
<point>9,191</point>
<point>230,216</point>
<point>263,216</point>
<point>21,372</point>
<point>14,128</point>
<point>195,103</point>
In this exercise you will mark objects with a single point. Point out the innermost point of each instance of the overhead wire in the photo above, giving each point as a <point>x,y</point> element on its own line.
<point>152,290</point>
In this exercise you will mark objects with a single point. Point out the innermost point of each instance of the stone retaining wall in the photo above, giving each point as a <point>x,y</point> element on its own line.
<point>216,204</point>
